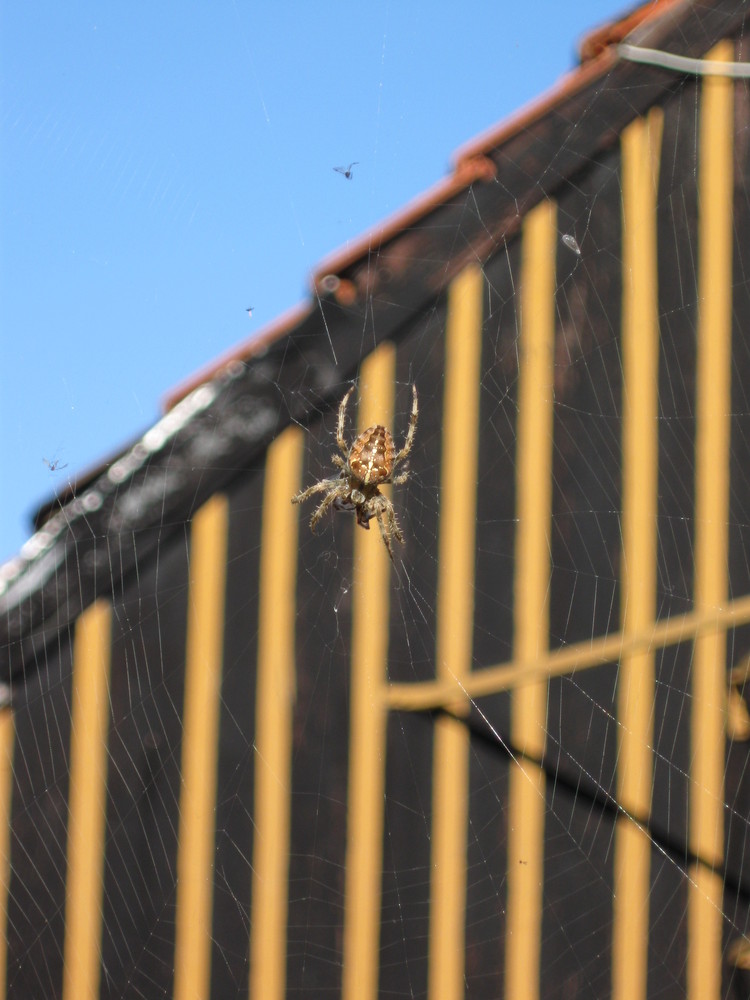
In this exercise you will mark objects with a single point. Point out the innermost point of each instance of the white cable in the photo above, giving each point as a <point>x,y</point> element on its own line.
<point>683,64</point>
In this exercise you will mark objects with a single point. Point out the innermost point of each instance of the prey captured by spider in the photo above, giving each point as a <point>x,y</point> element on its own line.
<point>369,463</point>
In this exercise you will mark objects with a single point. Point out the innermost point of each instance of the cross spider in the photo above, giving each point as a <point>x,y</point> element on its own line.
<point>369,463</point>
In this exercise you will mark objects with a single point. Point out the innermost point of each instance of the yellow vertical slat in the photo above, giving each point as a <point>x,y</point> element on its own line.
<point>531,599</point>
<point>203,669</point>
<point>276,690</point>
<point>7,739</point>
<point>455,623</point>
<point>713,408</point>
<point>87,803</point>
<point>367,726</point>
<point>641,144</point>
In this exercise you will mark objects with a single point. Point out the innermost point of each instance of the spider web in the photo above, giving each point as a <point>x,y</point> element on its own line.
<point>573,772</point>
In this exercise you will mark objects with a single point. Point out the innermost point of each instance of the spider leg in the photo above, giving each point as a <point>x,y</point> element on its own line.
<point>388,524</point>
<point>339,461</point>
<point>394,526</point>
<point>340,429</point>
<point>326,502</point>
<point>319,487</point>
<point>412,428</point>
<point>385,533</point>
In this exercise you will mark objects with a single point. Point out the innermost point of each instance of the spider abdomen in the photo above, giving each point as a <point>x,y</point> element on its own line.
<point>372,454</point>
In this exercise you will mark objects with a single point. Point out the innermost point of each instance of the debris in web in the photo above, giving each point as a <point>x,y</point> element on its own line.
<point>347,172</point>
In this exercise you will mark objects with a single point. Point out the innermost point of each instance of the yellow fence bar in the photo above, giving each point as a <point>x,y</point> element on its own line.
<point>641,146</point>
<point>455,623</point>
<point>7,739</point>
<point>367,724</point>
<point>531,599</point>
<point>87,803</point>
<point>421,697</point>
<point>713,408</point>
<point>203,669</point>
<point>276,691</point>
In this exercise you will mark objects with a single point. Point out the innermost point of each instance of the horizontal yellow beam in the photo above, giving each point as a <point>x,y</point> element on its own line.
<point>578,656</point>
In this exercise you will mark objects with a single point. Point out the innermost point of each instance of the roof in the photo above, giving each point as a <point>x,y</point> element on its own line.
<point>221,420</point>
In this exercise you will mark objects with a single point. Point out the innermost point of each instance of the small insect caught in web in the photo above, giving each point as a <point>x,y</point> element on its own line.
<point>347,172</point>
<point>250,310</point>
<point>54,464</point>
<point>572,244</point>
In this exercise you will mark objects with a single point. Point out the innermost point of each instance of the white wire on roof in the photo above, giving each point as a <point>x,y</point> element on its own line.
<point>683,64</point>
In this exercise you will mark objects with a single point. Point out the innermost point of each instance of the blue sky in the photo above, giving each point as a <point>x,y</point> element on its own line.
<point>164,166</point>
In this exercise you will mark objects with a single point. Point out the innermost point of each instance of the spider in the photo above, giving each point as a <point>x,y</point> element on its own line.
<point>369,463</point>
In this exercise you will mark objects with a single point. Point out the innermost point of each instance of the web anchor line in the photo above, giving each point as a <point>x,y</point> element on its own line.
<point>581,784</point>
